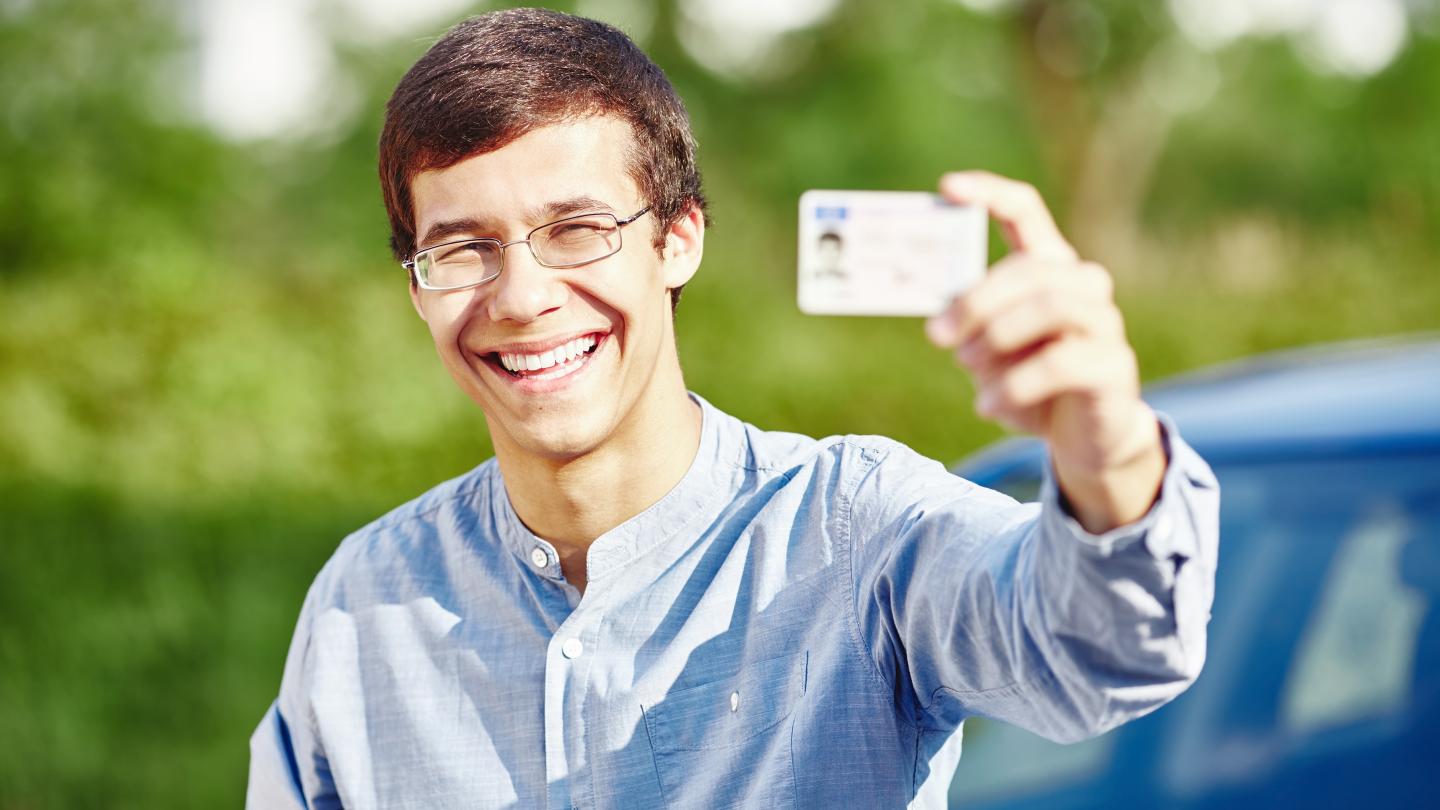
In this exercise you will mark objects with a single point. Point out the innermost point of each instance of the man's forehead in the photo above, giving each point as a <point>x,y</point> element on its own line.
<point>530,176</point>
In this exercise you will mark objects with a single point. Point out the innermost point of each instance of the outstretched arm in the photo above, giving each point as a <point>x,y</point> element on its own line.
<point>1070,617</point>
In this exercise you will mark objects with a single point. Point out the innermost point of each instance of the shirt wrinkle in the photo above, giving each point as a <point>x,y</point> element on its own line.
<point>857,643</point>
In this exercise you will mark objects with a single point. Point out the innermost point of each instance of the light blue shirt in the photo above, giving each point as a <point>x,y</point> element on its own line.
<point>798,623</point>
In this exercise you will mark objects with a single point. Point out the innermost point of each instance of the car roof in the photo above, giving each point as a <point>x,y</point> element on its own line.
<point>1360,397</point>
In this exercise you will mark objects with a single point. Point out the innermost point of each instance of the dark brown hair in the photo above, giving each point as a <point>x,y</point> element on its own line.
<point>496,76</point>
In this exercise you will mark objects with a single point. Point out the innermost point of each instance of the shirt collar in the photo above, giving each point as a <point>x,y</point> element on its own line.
<point>711,476</point>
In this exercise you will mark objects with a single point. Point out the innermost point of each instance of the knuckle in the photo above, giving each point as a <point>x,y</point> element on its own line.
<point>1052,363</point>
<point>973,356</point>
<point>1007,392</point>
<point>982,342</point>
<point>1001,270</point>
<point>1131,360</point>
<point>1054,297</point>
<point>1121,364</point>
<point>1103,282</point>
<point>996,337</point>
<point>1115,321</point>
<point>960,308</point>
<point>1051,303</point>
<point>1074,356</point>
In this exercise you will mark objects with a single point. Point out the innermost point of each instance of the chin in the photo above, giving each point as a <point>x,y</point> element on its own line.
<point>558,437</point>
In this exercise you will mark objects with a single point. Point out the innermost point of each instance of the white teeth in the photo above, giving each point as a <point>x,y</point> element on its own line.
<point>563,353</point>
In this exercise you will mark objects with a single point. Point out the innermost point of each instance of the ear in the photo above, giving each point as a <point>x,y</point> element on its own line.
<point>684,245</point>
<point>415,300</point>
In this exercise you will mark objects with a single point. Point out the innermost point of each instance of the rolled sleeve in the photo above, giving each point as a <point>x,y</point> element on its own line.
<point>1180,532</point>
<point>1184,470</point>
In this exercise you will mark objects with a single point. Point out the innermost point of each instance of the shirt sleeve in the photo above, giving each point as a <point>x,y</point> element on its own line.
<point>970,603</point>
<point>288,766</point>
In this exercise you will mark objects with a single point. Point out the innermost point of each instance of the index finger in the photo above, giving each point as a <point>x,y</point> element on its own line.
<point>1017,206</point>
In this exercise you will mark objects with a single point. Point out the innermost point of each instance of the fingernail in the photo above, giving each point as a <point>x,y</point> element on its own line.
<point>939,330</point>
<point>985,403</point>
<point>955,184</point>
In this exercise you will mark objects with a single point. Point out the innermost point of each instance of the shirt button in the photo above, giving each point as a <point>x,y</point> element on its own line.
<point>539,557</point>
<point>572,648</point>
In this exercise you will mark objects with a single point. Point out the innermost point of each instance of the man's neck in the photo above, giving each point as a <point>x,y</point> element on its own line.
<point>572,502</point>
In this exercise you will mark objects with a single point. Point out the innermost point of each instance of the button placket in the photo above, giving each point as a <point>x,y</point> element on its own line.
<point>564,695</point>
<point>572,650</point>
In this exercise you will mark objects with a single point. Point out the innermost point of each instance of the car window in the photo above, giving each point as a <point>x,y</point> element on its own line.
<point>1357,653</point>
<point>1318,623</point>
<point>1021,484</point>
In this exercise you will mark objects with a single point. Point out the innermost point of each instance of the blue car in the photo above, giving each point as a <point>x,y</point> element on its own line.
<point>1322,683</point>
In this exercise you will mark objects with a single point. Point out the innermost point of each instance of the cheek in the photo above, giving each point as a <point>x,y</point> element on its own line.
<point>612,296</point>
<point>446,318</point>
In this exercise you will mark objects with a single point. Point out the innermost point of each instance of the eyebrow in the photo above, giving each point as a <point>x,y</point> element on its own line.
<point>443,231</point>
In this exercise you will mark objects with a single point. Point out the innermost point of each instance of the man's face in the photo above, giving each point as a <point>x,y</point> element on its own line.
<point>618,307</point>
<point>828,254</point>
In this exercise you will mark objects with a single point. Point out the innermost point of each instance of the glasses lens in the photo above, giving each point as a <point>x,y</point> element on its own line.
<point>576,241</point>
<point>462,264</point>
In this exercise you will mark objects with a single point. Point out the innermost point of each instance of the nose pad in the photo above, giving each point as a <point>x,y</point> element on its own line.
<point>525,289</point>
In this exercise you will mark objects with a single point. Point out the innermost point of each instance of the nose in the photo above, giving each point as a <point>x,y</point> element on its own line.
<point>524,290</point>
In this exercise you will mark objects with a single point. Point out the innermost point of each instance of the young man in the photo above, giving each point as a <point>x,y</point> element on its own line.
<point>642,601</point>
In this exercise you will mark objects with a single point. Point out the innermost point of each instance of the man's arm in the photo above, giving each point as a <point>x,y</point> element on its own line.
<point>1046,345</point>
<point>1091,611</point>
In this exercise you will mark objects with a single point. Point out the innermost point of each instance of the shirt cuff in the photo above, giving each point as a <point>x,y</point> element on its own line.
<point>1156,527</point>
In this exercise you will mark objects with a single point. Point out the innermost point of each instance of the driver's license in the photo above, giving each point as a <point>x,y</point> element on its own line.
<point>886,252</point>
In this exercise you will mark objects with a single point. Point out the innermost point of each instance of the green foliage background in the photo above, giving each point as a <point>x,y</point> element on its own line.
<point>210,372</point>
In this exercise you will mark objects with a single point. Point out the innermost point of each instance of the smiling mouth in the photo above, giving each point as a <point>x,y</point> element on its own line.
<point>557,362</point>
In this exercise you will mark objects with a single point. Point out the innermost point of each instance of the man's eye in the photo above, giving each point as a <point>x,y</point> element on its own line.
<point>577,228</point>
<point>464,252</point>
<point>570,232</point>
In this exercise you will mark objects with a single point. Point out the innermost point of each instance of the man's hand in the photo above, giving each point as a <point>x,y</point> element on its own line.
<point>1046,345</point>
